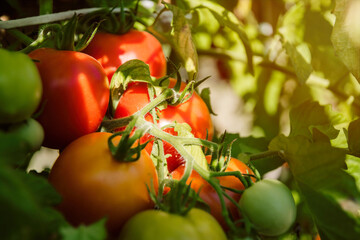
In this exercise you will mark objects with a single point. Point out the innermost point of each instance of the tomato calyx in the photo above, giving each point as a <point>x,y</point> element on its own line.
<point>116,23</point>
<point>62,36</point>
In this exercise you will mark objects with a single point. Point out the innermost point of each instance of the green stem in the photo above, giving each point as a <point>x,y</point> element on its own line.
<point>47,18</point>
<point>237,174</point>
<point>266,154</point>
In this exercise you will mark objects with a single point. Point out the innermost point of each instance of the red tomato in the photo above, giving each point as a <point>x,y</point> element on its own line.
<point>208,194</point>
<point>75,95</point>
<point>94,185</point>
<point>193,112</point>
<point>112,50</point>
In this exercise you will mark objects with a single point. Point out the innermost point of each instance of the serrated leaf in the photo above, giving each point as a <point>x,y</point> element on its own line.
<point>95,231</point>
<point>330,193</point>
<point>353,137</point>
<point>184,130</point>
<point>133,70</point>
<point>346,34</point>
<point>310,115</point>
<point>26,206</point>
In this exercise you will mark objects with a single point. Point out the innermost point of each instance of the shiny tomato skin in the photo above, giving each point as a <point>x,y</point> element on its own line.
<point>94,185</point>
<point>193,112</point>
<point>270,207</point>
<point>154,224</point>
<point>75,95</point>
<point>208,194</point>
<point>20,87</point>
<point>112,50</point>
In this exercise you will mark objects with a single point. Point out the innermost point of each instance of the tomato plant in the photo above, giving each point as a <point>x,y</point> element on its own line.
<point>193,112</point>
<point>269,206</point>
<point>155,224</point>
<point>112,50</point>
<point>208,194</point>
<point>20,87</point>
<point>75,95</point>
<point>94,185</point>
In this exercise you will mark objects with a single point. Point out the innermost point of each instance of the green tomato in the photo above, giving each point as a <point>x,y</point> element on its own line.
<point>20,87</point>
<point>154,224</point>
<point>269,206</point>
<point>19,139</point>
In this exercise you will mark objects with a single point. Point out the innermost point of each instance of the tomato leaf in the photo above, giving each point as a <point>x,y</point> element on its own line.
<point>353,137</point>
<point>95,231</point>
<point>346,34</point>
<point>310,51</point>
<point>205,95</point>
<point>242,148</point>
<point>318,170</point>
<point>309,116</point>
<point>26,203</point>
<point>133,70</point>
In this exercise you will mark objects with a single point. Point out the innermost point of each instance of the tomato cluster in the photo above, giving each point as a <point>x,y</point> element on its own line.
<point>69,93</point>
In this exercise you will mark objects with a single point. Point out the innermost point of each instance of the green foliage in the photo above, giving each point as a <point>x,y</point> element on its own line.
<point>95,231</point>
<point>26,203</point>
<point>318,169</point>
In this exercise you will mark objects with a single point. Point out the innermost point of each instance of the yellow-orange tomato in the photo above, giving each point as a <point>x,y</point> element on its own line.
<point>94,185</point>
<point>209,195</point>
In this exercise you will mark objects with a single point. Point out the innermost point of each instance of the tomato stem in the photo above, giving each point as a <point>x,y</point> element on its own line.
<point>266,154</point>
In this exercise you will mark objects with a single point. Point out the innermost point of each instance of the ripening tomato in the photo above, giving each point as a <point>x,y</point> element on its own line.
<point>94,185</point>
<point>193,112</point>
<point>208,194</point>
<point>20,87</point>
<point>75,95</point>
<point>112,50</point>
<point>154,224</point>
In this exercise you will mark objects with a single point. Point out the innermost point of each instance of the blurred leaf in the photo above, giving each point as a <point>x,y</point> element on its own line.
<point>95,231</point>
<point>300,57</point>
<point>309,116</point>
<point>318,169</point>
<point>353,168</point>
<point>180,39</point>
<point>353,137</point>
<point>26,206</point>
<point>346,34</point>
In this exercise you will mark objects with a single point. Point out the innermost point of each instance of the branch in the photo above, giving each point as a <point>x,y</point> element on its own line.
<point>47,18</point>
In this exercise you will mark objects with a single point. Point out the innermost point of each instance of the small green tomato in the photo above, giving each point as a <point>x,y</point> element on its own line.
<point>269,206</point>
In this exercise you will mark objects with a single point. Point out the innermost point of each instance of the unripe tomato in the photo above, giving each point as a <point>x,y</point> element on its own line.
<point>270,207</point>
<point>75,97</point>
<point>94,185</point>
<point>19,139</point>
<point>112,50</point>
<point>20,87</point>
<point>153,224</point>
